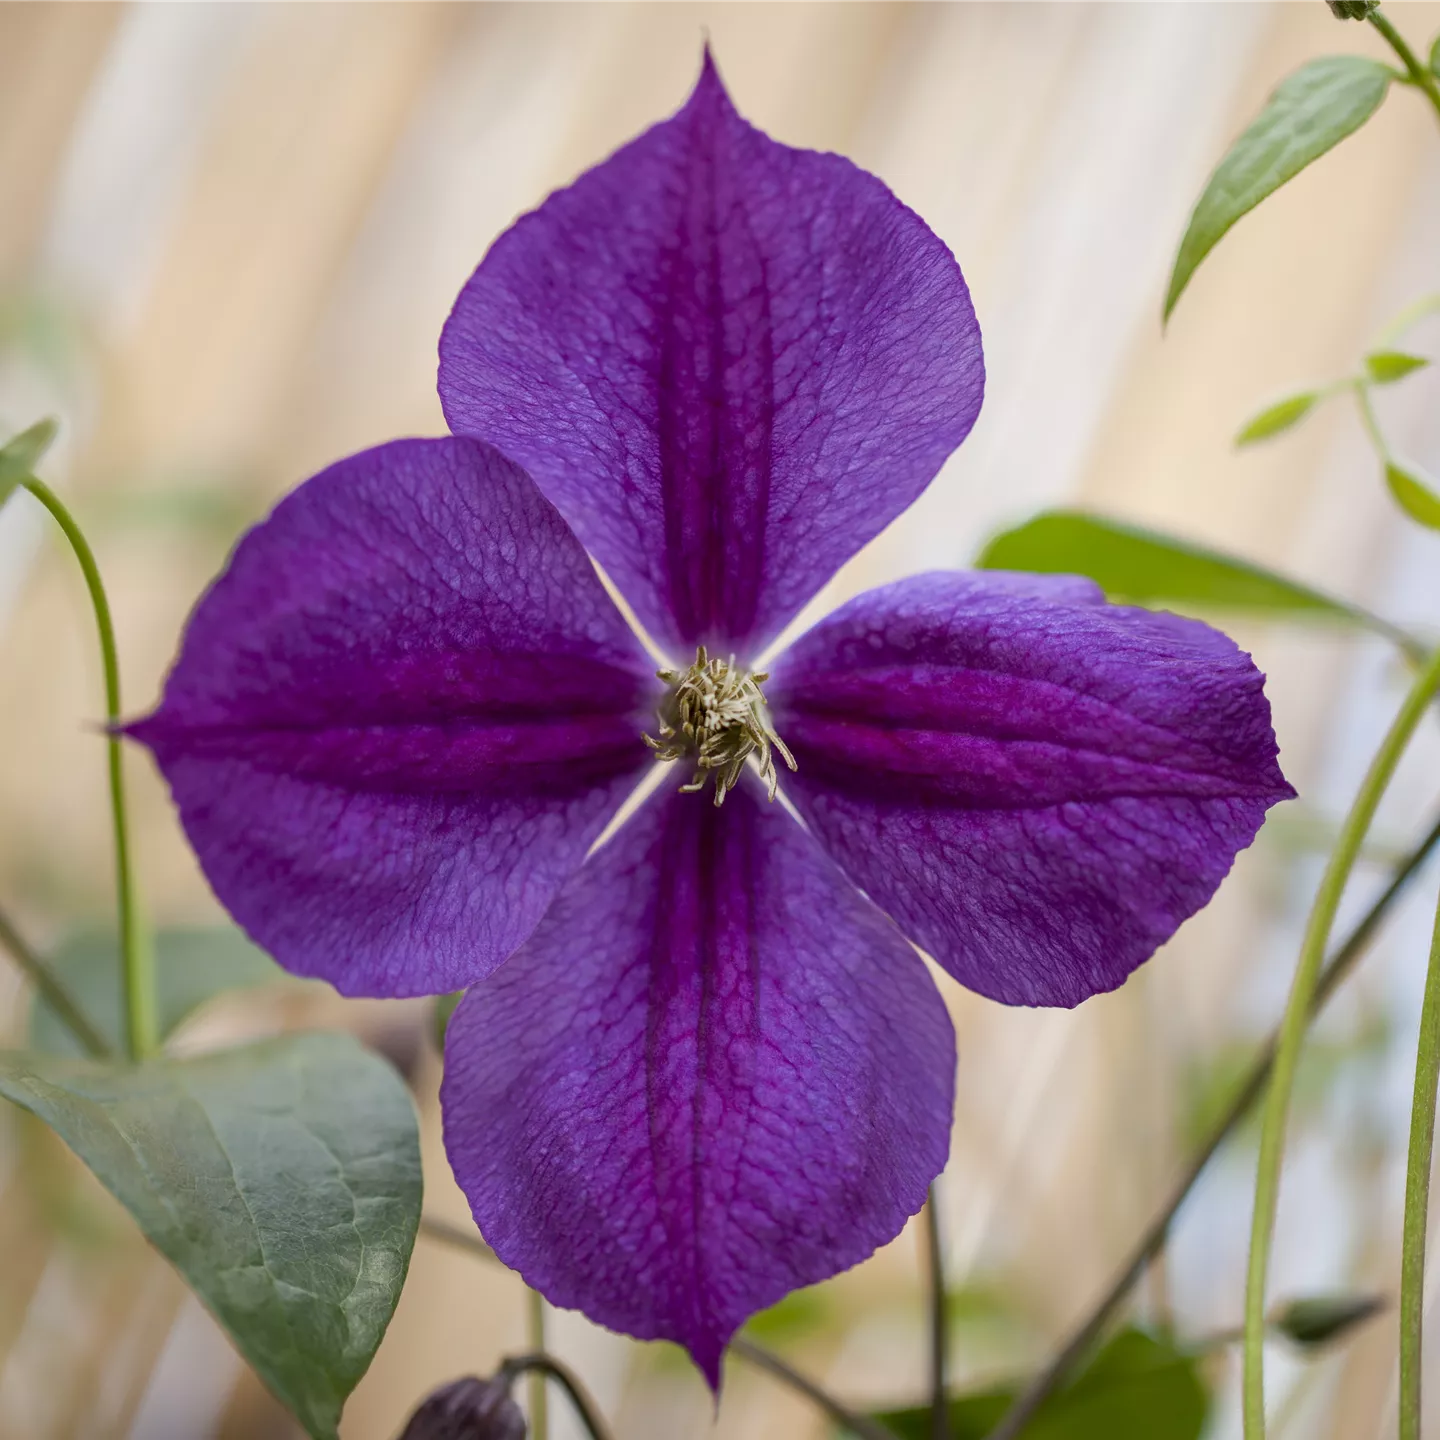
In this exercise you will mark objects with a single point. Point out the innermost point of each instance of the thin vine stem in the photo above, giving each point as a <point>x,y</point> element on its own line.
<point>540,1366</point>
<point>1421,75</point>
<point>443,1232</point>
<point>1083,1339</point>
<point>141,1017</point>
<point>53,990</point>
<point>1298,1010</point>
<point>1417,1195</point>
<point>939,1327</point>
<point>539,1408</point>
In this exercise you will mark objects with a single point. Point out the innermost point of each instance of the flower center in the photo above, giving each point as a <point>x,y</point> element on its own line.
<point>717,714</point>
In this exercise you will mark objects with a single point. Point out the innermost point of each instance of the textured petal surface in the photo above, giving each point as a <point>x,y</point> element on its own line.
<point>714,1073</point>
<point>1038,787</point>
<point>728,362</point>
<point>400,717</point>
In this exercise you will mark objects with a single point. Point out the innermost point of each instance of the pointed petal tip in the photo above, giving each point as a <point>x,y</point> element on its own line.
<point>709,84</point>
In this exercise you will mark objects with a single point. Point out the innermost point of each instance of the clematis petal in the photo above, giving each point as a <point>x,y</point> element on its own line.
<point>714,1073</point>
<point>729,363</point>
<point>400,718</point>
<point>1038,787</point>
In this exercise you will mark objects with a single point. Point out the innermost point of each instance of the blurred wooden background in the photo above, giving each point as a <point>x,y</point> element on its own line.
<point>229,236</point>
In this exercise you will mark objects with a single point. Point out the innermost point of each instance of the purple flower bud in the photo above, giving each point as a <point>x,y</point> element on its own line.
<point>469,1409</point>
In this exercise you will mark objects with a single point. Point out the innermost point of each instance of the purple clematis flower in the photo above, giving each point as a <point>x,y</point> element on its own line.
<point>702,1065</point>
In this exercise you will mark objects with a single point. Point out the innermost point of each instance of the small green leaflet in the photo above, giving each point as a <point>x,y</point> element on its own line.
<point>1435,55</point>
<point>281,1179</point>
<point>1136,1388</point>
<point>1277,417</point>
<point>1385,367</point>
<point>1310,112</point>
<point>1145,567</point>
<point>1413,494</point>
<point>192,967</point>
<point>21,454</point>
<point>1317,1320</point>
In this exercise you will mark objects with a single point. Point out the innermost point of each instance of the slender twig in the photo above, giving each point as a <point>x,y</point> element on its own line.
<point>1417,1196</point>
<point>1298,1011</point>
<point>1085,1336</point>
<point>142,1021</point>
<point>939,1328</point>
<point>1420,73</point>
<point>456,1236</point>
<point>447,1234</point>
<point>539,1410</point>
<point>862,1425</point>
<point>52,990</point>
<point>542,1365</point>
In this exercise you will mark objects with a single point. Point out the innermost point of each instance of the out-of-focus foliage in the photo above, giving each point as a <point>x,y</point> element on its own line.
<point>1310,112</point>
<point>1276,418</point>
<point>281,1179</point>
<point>1144,567</point>
<point>1413,495</point>
<point>1320,1319</point>
<point>192,967</point>
<point>1138,1387</point>
<point>1385,367</point>
<point>22,453</point>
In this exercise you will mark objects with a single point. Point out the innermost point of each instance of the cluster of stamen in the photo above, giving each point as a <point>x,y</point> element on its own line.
<point>717,715</point>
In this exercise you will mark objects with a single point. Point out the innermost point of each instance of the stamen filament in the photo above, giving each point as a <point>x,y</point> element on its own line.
<point>717,715</point>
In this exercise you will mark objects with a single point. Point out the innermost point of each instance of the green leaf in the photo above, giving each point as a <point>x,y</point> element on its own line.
<point>1320,1319</point>
<point>1136,1388</point>
<point>1277,417</point>
<point>1145,567</point>
<point>1385,367</point>
<point>192,967</point>
<point>1435,55</point>
<point>21,454</point>
<point>1310,112</point>
<point>444,1009</point>
<point>282,1180</point>
<point>1413,494</point>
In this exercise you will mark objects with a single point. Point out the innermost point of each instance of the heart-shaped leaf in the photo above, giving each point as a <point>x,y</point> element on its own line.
<point>1277,417</point>
<point>1385,367</point>
<point>192,967</point>
<point>1413,494</point>
<point>1137,1388</point>
<point>1310,112</point>
<point>281,1179</point>
<point>1145,567</point>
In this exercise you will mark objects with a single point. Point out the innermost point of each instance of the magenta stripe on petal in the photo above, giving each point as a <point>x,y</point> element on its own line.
<point>729,363</point>
<point>1039,787</point>
<point>713,1074</point>
<point>400,718</point>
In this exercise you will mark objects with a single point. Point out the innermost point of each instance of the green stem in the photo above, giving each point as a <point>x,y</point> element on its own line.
<point>539,1412</point>
<point>52,990</point>
<point>939,1330</point>
<point>1086,1335</point>
<point>1292,1029</point>
<point>142,1023</point>
<point>1420,74</point>
<point>1371,421</point>
<point>1417,1196</point>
